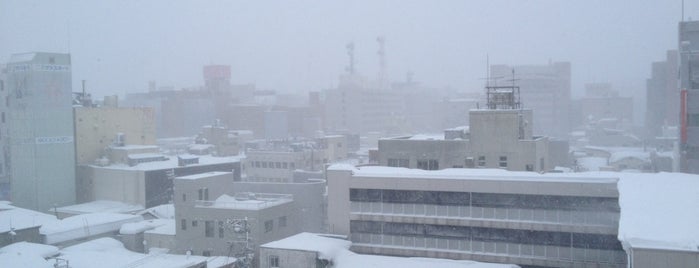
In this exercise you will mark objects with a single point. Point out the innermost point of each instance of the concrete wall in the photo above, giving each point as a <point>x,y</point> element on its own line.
<point>309,199</point>
<point>193,237</point>
<point>31,235</point>
<point>288,258</point>
<point>122,185</point>
<point>652,258</point>
<point>160,241</point>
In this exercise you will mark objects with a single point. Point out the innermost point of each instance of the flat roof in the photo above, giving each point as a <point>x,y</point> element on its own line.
<point>472,174</point>
<point>203,175</point>
<point>656,209</point>
<point>172,162</point>
<point>251,201</point>
<point>337,251</point>
<point>100,206</point>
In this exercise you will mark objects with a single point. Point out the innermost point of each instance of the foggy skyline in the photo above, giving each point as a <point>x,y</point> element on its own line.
<point>300,46</point>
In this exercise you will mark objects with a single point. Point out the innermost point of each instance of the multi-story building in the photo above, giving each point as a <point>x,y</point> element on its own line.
<point>545,90</point>
<point>689,105</point>
<point>97,128</point>
<point>528,219</point>
<point>139,174</point>
<point>212,220</point>
<point>278,161</point>
<point>4,175</point>
<point>662,96</point>
<point>40,144</point>
<point>356,106</point>
<point>603,102</point>
<point>497,137</point>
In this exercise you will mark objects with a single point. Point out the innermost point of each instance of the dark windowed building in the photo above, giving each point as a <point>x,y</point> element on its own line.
<point>491,215</point>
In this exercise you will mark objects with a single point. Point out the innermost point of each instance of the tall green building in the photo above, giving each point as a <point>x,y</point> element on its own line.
<point>40,143</point>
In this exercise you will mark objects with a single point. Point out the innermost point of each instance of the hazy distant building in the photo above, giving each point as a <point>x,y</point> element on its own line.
<point>662,95</point>
<point>603,102</point>
<point>355,106</point>
<point>4,165</point>
<point>689,84</point>
<point>545,90</point>
<point>40,144</point>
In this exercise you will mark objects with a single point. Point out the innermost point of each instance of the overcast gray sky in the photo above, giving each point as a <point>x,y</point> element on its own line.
<point>290,46</point>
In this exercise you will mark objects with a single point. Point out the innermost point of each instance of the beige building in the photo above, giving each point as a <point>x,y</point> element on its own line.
<point>494,139</point>
<point>485,215</point>
<point>96,128</point>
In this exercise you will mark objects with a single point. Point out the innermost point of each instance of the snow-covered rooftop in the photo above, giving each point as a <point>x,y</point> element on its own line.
<point>326,247</point>
<point>19,218</point>
<point>168,228</point>
<point>166,211</point>
<point>100,206</point>
<point>203,175</point>
<point>25,254</point>
<point>142,226</point>
<point>41,250</point>
<point>471,174</point>
<point>337,251</point>
<point>108,252</point>
<point>428,137</point>
<point>172,162</point>
<point>657,209</point>
<point>619,155</point>
<point>260,201</point>
<point>85,225</point>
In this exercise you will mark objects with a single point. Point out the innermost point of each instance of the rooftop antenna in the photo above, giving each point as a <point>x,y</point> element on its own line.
<point>350,53</point>
<point>382,60</point>
<point>682,11</point>
<point>487,70</point>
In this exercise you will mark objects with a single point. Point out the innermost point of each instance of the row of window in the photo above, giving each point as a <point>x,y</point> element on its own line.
<point>209,228</point>
<point>279,165</point>
<point>202,194</point>
<point>269,224</point>
<point>433,164</point>
<point>486,199</point>
<point>563,239</point>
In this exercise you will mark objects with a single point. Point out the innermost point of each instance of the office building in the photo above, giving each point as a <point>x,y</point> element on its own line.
<point>41,152</point>
<point>499,136</point>
<point>545,90</point>
<point>689,96</point>
<point>662,96</point>
<point>497,216</point>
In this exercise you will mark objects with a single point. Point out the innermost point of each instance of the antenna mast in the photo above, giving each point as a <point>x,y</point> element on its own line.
<point>350,53</point>
<point>382,60</point>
